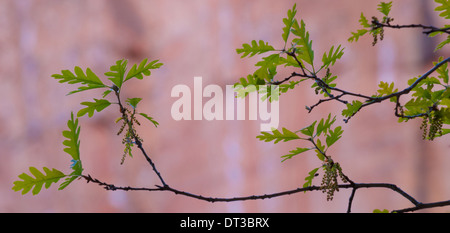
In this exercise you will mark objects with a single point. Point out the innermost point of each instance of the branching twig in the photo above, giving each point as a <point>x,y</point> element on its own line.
<point>353,186</point>
<point>136,139</point>
<point>369,100</point>
<point>427,29</point>
<point>327,89</point>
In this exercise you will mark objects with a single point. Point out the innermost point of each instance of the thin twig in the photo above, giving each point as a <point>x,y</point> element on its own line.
<point>353,186</point>
<point>137,141</point>
<point>427,29</point>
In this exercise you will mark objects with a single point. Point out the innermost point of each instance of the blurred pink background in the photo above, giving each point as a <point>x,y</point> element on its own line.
<point>211,158</point>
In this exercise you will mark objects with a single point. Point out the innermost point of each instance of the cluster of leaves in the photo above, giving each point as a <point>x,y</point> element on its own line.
<point>431,101</point>
<point>430,95</point>
<point>297,52</point>
<point>444,8</point>
<point>118,75</point>
<point>321,135</point>
<point>72,144</point>
<point>89,80</point>
<point>374,27</point>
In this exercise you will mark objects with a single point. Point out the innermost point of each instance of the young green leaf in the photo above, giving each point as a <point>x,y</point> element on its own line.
<point>73,149</point>
<point>271,93</point>
<point>117,72</point>
<point>309,130</point>
<point>142,69</point>
<point>150,119</point>
<point>363,21</point>
<point>442,70</point>
<point>352,108</point>
<point>443,43</point>
<point>288,22</point>
<point>98,106</point>
<point>385,88</point>
<point>72,142</point>
<point>304,43</point>
<point>444,7</point>
<point>312,174</point>
<point>384,8</point>
<point>28,182</point>
<point>332,56</point>
<point>417,105</point>
<point>293,153</point>
<point>320,150</point>
<point>88,79</point>
<point>268,67</point>
<point>324,126</point>
<point>378,211</point>
<point>254,48</point>
<point>278,136</point>
<point>334,136</point>
<point>133,102</point>
<point>356,35</point>
<point>285,87</point>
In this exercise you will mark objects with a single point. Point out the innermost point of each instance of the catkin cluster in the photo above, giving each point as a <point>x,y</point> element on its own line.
<point>435,126</point>
<point>129,120</point>
<point>378,30</point>
<point>329,183</point>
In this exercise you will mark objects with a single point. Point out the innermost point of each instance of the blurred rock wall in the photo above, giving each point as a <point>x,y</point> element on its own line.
<point>39,38</point>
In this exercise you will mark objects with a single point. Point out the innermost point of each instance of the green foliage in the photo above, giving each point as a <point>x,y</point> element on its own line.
<point>334,136</point>
<point>361,32</point>
<point>295,152</point>
<point>309,130</point>
<point>322,89</point>
<point>285,135</point>
<point>324,125</point>
<point>144,68</point>
<point>299,53</point>
<point>313,173</point>
<point>304,48</point>
<point>150,119</point>
<point>72,144</point>
<point>289,22</point>
<point>384,8</point>
<point>268,67</point>
<point>313,132</point>
<point>89,80</point>
<point>443,43</point>
<point>442,72</point>
<point>332,56</point>
<point>27,183</point>
<point>254,48</point>
<point>431,101</point>
<point>133,102</point>
<point>352,108</point>
<point>444,7</point>
<point>117,71</point>
<point>378,211</point>
<point>98,105</point>
<point>376,27</point>
<point>386,89</point>
<point>356,35</point>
